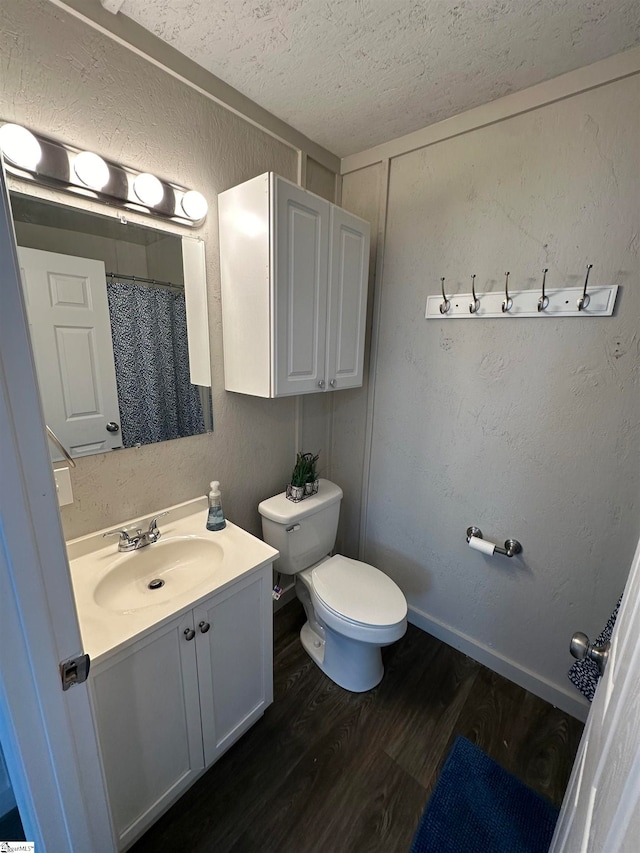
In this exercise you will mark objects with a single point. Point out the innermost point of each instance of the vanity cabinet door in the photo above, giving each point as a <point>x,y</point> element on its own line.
<point>347,308</point>
<point>234,650</point>
<point>148,720</point>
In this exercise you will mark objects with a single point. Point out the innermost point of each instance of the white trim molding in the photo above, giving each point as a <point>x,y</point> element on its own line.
<point>568,700</point>
<point>609,70</point>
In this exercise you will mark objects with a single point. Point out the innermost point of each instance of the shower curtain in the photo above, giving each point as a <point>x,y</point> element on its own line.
<point>149,332</point>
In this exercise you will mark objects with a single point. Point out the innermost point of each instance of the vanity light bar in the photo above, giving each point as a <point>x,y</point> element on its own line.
<point>33,157</point>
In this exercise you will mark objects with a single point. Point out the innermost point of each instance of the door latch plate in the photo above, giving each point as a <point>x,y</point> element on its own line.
<point>74,671</point>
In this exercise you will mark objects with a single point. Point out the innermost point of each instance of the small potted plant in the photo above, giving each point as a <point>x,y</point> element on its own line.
<point>304,478</point>
<point>311,486</point>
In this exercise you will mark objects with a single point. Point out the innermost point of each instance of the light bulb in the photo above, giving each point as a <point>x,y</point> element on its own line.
<point>194,205</point>
<point>91,170</point>
<point>20,146</point>
<point>148,189</point>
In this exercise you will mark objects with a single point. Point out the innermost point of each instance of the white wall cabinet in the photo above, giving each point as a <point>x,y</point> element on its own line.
<point>294,272</point>
<point>170,704</point>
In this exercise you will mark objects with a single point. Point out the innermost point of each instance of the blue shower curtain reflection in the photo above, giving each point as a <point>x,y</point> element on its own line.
<point>149,330</point>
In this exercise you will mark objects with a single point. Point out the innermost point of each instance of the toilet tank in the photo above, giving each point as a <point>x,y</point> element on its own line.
<point>303,532</point>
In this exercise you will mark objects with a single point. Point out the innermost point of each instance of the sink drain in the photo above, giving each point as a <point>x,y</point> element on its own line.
<point>156,584</point>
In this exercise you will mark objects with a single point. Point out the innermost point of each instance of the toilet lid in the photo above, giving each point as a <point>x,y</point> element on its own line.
<point>359,592</point>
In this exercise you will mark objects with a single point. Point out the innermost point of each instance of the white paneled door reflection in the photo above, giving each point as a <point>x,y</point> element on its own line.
<point>71,338</point>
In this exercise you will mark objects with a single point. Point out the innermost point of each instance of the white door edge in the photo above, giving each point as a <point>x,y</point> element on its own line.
<point>48,735</point>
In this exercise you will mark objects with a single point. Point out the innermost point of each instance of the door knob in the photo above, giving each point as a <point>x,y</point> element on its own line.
<point>112,426</point>
<point>581,648</point>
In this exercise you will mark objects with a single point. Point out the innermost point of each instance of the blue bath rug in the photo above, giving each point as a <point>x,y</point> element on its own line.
<point>477,807</point>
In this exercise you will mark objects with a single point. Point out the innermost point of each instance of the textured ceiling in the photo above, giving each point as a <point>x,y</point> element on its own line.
<point>354,73</point>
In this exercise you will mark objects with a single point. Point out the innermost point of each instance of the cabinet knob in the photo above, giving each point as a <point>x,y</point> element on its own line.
<point>189,633</point>
<point>204,627</point>
<point>321,384</point>
<point>332,382</point>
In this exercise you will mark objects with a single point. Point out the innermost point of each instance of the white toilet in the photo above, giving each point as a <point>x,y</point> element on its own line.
<point>352,608</point>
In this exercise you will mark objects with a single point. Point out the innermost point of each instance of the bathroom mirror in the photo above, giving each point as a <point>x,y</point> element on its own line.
<point>119,328</point>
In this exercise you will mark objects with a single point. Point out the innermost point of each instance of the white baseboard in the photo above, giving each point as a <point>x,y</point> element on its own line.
<point>568,700</point>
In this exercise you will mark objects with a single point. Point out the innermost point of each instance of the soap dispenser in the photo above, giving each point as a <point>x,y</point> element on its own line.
<point>215,518</point>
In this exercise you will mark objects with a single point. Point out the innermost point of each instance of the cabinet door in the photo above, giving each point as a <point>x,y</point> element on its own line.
<point>348,284</point>
<point>235,660</point>
<point>148,720</point>
<point>300,277</point>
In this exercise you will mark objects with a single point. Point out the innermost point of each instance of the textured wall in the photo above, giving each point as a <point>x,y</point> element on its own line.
<point>118,255</point>
<point>69,81</point>
<point>361,195</point>
<point>320,180</point>
<point>526,428</point>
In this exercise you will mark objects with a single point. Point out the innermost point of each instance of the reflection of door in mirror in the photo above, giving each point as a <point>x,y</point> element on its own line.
<point>71,338</point>
<point>106,300</point>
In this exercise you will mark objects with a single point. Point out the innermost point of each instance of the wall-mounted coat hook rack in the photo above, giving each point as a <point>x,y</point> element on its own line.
<point>475,304</point>
<point>559,302</point>
<point>543,302</point>
<point>584,300</point>
<point>507,305</point>
<point>445,304</point>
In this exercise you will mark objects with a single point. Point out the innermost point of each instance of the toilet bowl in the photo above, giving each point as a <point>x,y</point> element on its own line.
<point>353,609</point>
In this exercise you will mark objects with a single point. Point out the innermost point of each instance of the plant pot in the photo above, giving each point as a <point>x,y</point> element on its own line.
<point>295,493</point>
<point>311,488</point>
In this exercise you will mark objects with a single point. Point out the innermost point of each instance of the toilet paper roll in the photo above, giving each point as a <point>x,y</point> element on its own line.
<point>482,545</point>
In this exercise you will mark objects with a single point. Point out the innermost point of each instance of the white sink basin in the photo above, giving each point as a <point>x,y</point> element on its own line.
<point>157,573</point>
<point>111,588</point>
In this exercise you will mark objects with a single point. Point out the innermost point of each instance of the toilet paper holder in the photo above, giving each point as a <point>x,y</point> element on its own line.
<point>511,546</point>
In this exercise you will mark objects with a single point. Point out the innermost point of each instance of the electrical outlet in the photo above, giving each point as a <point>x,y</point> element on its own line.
<point>63,486</point>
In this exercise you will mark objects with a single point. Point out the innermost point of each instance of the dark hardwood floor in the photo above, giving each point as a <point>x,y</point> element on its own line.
<point>338,772</point>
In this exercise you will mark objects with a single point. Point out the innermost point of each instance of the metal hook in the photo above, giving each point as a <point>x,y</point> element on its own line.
<point>585,299</point>
<point>507,305</point>
<point>543,302</point>
<point>476,302</point>
<point>445,304</point>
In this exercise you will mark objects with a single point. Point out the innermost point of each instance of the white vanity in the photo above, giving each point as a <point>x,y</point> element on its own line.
<point>180,638</point>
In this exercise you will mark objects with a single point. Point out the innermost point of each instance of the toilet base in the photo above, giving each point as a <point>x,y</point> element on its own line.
<point>351,664</point>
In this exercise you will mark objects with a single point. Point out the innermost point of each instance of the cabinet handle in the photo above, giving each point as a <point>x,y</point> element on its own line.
<point>204,627</point>
<point>332,382</point>
<point>321,383</point>
<point>189,633</point>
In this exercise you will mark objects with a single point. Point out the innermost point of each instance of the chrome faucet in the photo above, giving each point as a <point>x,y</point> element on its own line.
<point>140,538</point>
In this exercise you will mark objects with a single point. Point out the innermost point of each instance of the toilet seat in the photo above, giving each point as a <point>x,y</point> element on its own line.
<point>358,593</point>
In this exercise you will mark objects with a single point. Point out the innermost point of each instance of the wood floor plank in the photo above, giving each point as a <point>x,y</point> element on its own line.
<point>540,758</point>
<point>427,720</point>
<point>523,733</point>
<point>328,770</point>
<point>371,804</point>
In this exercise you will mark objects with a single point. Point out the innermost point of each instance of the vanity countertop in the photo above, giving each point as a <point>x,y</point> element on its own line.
<point>97,566</point>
